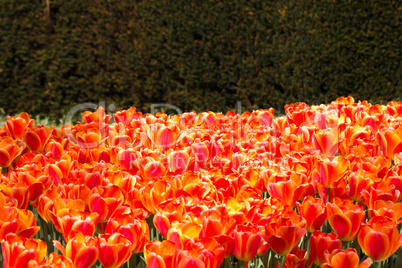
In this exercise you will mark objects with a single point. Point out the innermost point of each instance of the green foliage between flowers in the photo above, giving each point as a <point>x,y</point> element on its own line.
<point>202,55</point>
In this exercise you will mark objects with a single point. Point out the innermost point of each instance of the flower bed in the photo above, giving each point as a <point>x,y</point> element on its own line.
<point>320,186</point>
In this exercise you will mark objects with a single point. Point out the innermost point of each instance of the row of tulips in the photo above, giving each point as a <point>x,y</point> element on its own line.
<point>320,186</point>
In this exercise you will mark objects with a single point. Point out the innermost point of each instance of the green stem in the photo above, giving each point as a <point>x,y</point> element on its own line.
<point>308,248</point>
<point>240,264</point>
<point>133,261</point>
<point>328,228</point>
<point>283,261</point>
<point>376,264</point>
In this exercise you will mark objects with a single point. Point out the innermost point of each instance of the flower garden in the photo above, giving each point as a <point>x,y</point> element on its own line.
<point>320,186</point>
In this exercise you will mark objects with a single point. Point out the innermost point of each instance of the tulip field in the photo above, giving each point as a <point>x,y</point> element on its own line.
<point>318,187</point>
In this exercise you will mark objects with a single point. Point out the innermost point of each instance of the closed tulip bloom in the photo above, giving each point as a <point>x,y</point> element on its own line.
<point>246,245</point>
<point>345,258</point>
<point>114,250</point>
<point>313,211</point>
<point>379,238</point>
<point>345,218</point>
<point>321,243</point>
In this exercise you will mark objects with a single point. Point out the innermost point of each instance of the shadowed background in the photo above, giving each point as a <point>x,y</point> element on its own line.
<point>197,55</point>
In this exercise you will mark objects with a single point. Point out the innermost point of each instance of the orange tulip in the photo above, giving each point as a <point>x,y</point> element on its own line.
<point>179,161</point>
<point>246,245</point>
<point>207,251</point>
<point>321,243</point>
<point>105,200</point>
<point>357,183</point>
<point>345,258</point>
<point>9,150</point>
<point>37,138</point>
<point>22,252</point>
<point>379,238</point>
<point>388,209</point>
<point>114,250</point>
<point>389,141</point>
<point>70,222</point>
<point>80,249</point>
<point>328,173</point>
<point>57,261</point>
<point>15,126</point>
<point>284,232</point>
<point>135,230</point>
<point>345,218</point>
<point>381,192</point>
<point>313,211</point>
<point>289,191</point>
<point>18,221</point>
<point>296,258</point>
<point>160,254</point>
<point>164,137</point>
<point>326,141</point>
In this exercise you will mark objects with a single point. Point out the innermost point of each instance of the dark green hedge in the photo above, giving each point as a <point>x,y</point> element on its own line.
<point>202,55</point>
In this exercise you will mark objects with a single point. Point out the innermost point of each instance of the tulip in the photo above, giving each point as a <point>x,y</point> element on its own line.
<point>345,218</point>
<point>70,222</point>
<point>179,161</point>
<point>289,191</point>
<point>379,238</point>
<point>207,250</point>
<point>313,211</point>
<point>37,138</point>
<point>18,221</point>
<point>296,258</point>
<point>284,232</point>
<point>345,258</point>
<point>15,126</point>
<point>246,245</point>
<point>9,150</point>
<point>114,250</point>
<point>135,230</point>
<point>160,254</point>
<point>22,252</point>
<point>321,243</point>
<point>326,141</point>
<point>389,139</point>
<point>57,261</point>
<point>80,249</point>
<point>328,173</point>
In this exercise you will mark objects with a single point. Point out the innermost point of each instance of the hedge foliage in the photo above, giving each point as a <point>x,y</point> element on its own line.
<point>201,55</point>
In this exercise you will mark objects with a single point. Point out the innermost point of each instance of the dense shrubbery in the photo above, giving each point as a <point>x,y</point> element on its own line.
<point>202,55</point>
